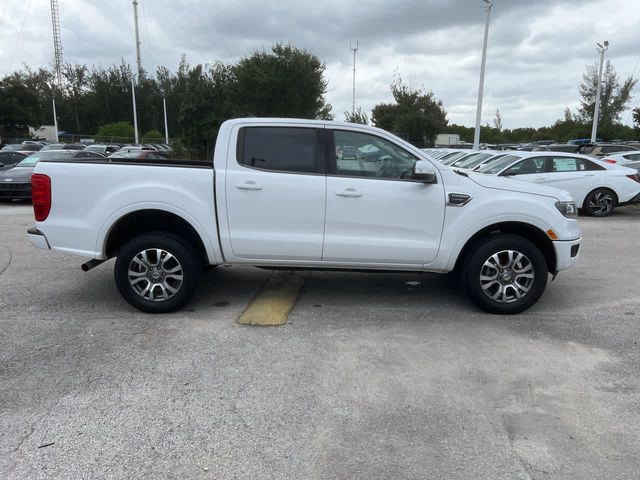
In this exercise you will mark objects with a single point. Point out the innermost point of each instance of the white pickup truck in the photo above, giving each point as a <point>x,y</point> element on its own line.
<point>288,193</point>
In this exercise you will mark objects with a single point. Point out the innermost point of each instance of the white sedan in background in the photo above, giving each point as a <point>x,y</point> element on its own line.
<point>595,186</point>
<point>622,158</point>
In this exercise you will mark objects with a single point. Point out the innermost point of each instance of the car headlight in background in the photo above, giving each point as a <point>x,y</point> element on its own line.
<point>568,209</point>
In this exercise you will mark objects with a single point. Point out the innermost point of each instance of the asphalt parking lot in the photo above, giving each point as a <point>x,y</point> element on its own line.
<point>374,376</point>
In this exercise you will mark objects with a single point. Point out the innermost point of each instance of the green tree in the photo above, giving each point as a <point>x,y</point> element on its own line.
<point>416,113</point>
<point>357,117</point>
<point>116,129</point>
<point>285,82</point>
<point>152,134</point>
<point>614,98</point>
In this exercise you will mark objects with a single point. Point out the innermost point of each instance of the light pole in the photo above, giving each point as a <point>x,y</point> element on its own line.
<point>135,113</point>
<point>476,136</point>
<point>596,111</point>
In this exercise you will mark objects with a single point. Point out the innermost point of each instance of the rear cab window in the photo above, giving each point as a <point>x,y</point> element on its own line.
<point>279,149</point>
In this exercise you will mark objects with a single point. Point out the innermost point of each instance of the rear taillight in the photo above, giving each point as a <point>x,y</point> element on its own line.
<point>610,160</point>
<point>635,177</point>
<point>41,195</point>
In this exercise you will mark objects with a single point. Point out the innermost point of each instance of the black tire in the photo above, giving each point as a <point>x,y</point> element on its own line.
<point>185,258</point>
<point>512,281</point>
<point>600,203</point>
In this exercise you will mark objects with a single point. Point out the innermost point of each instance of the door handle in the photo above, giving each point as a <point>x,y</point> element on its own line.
<point>349,192</point>
<point>539,179</point>
<point>249,186</point>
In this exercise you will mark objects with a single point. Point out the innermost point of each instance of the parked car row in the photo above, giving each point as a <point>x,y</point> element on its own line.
<point>596,186</point>
<point>105,149</point>
<point>16,167</point>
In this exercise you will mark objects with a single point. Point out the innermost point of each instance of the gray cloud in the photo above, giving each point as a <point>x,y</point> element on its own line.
<point>537,50</point>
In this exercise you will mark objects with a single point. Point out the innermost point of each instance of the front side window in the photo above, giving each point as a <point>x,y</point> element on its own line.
<point>363,155</point>
<point>280,149</point>
<point>528,166</point>
<point>495,167</point>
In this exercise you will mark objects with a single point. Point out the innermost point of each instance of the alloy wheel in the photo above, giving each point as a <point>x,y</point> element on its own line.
<point>507,276</point>
<point>601,203</point>
<point>155,274</point>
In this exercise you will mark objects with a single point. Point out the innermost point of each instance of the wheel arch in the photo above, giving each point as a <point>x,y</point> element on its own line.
<point>138,222</point>
<point>521,229</point>
<point>615,195</point>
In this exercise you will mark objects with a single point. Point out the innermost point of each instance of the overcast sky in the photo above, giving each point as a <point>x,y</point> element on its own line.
<point>537,49</point>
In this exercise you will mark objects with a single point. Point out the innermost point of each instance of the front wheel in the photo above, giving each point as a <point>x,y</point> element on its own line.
<point>157,272</point>
<point>600,202</point>
<point>505,274</point>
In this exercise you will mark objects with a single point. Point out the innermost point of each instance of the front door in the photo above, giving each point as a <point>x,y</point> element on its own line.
<point>375,214</point>
<point>275,193</point>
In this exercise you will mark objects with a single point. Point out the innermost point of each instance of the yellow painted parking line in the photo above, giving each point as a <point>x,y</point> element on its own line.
<point>274,302</point>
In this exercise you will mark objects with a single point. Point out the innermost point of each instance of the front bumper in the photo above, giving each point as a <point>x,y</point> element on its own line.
<point>567,253</point>
<point>37,238</point>
<point>14,191</point>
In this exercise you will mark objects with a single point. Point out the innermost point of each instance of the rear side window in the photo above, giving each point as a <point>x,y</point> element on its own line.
<point>280,149</point>
<point>570,164</point>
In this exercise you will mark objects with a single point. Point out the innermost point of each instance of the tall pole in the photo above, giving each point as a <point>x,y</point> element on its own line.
<point>57,61</point>
<point>166,128</point>
<point>596,110</point>
<point>55,120</point>
<point>355,51</point>
<point>476,136</point>
<point>135,19</point>
<point>135,115</point>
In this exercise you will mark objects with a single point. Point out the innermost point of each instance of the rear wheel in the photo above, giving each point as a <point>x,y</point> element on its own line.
<point>505,274</point>
<point>600,202</point>
<point>157,272</point>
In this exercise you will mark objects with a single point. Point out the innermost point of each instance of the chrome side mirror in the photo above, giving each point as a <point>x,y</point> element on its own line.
<point>424,172</point>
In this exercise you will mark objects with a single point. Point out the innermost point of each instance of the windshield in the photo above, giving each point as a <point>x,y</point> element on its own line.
<point>448,160</point>
<point>472,160</point>
<point>12,148</point>
<point>495,167</point>
<point>30,161</point>
<point>34,158</point>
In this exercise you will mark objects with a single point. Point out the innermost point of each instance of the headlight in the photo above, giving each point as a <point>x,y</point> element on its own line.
<point>568,209</point>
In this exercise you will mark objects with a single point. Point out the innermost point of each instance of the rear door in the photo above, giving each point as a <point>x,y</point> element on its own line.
<point>375,214</point>
<point>275,193</point>
<point>575,175</point>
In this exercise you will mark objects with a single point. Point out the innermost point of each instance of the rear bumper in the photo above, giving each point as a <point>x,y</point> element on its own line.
<point>567,253</point>
<point>37,238</point>
<point>635,199</point>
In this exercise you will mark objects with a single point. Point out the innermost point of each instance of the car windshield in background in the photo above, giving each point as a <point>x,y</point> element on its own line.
<point>30,161</point>
<point>473,160</point>
<point>34,158</point>
<point>495,167</point>
<point>449,159</point>
<point>12,148</point>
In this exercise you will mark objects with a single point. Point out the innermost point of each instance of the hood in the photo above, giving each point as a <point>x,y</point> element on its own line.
<point>512,185</point>
<point>17,174</point>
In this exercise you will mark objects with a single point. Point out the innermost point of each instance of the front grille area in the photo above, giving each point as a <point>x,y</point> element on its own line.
<point>15,190</point>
